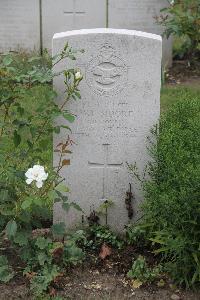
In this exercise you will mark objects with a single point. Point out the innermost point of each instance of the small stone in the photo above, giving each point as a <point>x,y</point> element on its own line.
<point>175,297</point>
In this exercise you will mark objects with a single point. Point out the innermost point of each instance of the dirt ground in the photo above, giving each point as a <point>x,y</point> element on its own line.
<point>182,74</point>
<point>101,279</point>
<point>84,283</point>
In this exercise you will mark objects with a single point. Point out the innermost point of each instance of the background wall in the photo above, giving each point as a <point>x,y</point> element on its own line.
<point>140,15</point>
<point>30,24</point>
<point>19,24</point>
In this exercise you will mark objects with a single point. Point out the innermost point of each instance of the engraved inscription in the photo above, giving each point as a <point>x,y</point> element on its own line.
<point>105,166</point>
<point>107,73</point>
<point>74,13</point>
<point>115,120</point>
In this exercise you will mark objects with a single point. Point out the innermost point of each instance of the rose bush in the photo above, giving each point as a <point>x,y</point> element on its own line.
<point>27,189</point>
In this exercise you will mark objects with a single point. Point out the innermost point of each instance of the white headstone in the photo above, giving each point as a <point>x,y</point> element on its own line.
<point>120,103</point>
<point>62,15</point>
<point>140,15</point>
<point>19,25</point>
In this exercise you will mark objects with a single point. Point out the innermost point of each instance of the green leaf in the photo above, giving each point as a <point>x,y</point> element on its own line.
<point>43,144</point>
<point>78,95</point>
<point>76,206</point>
<point>21,238</point>
<point>19,174</point>
<point>16,139</point>
<point>72,57</point>
<point>11,228</point>
<point>61,187</point>
<point>66,127</point>
<point>58,229</point>
<point>69,117</point>
<point>7,60</point>
<point>20,110</point>
<point>56,129</point>
<point>52,195</point>
<point>42,243</point>
<point>6,272</point>
<point>66,206</point>
<point>38,201</point>
<point>3,260</point>
<point>7,210</point>
<point>42,257</point>
<point>34,58</point>
<point>27,203</point>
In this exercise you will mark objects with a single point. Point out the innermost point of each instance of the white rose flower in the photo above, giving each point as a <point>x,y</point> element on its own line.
<point>37,174</point>
<point>78,75</point>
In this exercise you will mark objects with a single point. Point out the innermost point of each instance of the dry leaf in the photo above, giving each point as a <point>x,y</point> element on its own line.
<point>161,283</point>
<point>96,286</point>
<point>58,278</point>
<point>66,162</point>
<point>52,292</point>
<point>105,251</point>
<point>58,252</point>
<point>136,283</point>
<point>30,275</point>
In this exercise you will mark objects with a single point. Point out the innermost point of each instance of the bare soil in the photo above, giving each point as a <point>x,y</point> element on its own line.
<point>183,74</point>
<point>101,279</point>
<point>104,284</point>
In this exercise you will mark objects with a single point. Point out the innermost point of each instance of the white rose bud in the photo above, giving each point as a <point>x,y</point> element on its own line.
<point>78,75</point>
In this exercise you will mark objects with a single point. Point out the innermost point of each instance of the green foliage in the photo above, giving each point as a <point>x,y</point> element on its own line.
<point>171,208</point>
<point>11,228</point>
<point>135,235</point>
<point>172,95</point>
<point>142,272</point>
<point>27,111</point>
<point>41,281</point>
<point>46,259</point>
<point>6,272</point>
<point>97,235</point>
<point>182,19</point>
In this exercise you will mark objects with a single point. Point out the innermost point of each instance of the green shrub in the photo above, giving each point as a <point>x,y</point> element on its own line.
<point>182,19</point>
<point>27,111</point>
<point>142,272</point>
<point>135,235</point>
<point>97,235</point>
<point>172,194</point>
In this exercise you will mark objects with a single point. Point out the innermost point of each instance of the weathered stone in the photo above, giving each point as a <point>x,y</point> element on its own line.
<point>175,297</point>
<point>120,103</point>
<point>19,25</point>
<point>62,15</point>
<point>27,24</point>
<point>140,15</point>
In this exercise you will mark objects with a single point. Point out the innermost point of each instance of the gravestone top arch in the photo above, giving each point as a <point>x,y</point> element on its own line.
<point>106,31</point>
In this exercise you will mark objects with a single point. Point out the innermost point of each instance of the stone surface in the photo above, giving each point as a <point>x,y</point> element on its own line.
<point>175,297</point>
<point>120,103</point>
<point>19,25</point>
<point>140,15</point>
<point>62,15</point>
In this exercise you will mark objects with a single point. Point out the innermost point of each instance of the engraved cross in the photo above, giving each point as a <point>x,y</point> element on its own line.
<point>105,167</point>
<point>74,12</point>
